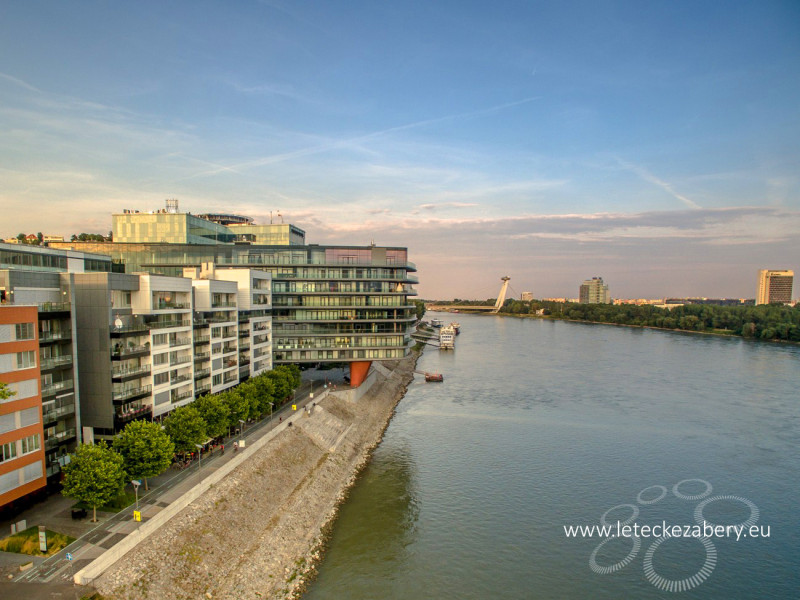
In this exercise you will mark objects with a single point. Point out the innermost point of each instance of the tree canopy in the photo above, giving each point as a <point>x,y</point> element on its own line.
<point>186,428</point>
<point>146,449</point>
<point>94,475</point>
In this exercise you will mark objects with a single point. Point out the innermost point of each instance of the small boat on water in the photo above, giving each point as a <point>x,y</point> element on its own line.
<point>436,323</point>
<point>434,377</point>
<point>456,327</point>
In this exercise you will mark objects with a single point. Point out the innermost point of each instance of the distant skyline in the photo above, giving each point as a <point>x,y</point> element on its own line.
<point>653,144</point>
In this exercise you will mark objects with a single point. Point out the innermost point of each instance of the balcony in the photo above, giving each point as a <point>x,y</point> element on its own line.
<point>180,379</point>
<point>51,414</point>
<point>202,389</point>
<point>54,336</point>
<point>180,360</point>
<point>129,352</point>
<point>54,362</point>
<point>61,437</point>
<point>202,373</point>
<point>223,305</point>
<point>125,330</point>
<point>179,342</point>
<point>121,418</point>
<point>168,324</point>
<point>182,396</point>
<point>55,307</point>
<point>229,363</point>
<point>202,339</point>
<point>131,393</point>
<point>120,374</point>
<point>164,305</point>
<point>229,349</point>
<point>201,356</point>
<point>53,388</point>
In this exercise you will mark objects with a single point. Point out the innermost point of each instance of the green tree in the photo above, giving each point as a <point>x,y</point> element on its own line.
<point>238,407</point>
<point>94,475</point>
<point>146,449</point>
<point>185,427</point>
<point>215,413</point>
<point>419,309</point>
<point>6,392</point>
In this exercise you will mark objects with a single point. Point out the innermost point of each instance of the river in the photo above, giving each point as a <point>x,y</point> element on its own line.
<point>541,425</point>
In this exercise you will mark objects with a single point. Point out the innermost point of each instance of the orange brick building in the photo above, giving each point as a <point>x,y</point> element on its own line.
<point>22,462</point>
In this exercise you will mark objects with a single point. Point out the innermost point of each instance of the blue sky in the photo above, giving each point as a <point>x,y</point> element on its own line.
<point>655,144</point>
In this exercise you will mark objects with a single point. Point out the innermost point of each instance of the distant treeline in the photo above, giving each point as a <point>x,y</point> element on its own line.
<point>766,322</point>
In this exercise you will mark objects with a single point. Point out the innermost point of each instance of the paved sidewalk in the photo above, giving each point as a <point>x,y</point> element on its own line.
<point>96,538</point>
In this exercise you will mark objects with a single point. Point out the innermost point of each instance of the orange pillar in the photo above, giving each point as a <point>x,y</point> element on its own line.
<point>358,372</point>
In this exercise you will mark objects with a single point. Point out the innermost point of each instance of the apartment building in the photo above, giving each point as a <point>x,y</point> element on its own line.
<point>22,457</point>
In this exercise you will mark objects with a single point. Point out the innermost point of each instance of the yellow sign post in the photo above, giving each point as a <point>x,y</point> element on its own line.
<point>294,406</point>
<point>137,516</point>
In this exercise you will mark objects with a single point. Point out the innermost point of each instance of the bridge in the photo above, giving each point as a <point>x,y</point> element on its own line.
<point>494,309</point>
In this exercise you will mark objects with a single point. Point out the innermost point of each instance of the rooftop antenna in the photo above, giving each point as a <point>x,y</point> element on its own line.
<point>281,216</point>
<point>172,205</point>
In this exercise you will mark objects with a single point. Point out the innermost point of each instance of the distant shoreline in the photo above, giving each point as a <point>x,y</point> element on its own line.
<point>629,325</point>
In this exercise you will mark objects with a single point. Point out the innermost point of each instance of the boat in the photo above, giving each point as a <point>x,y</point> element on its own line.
<point>434,377</point>
<point>436,323</point>
<point>456,326</point>
<point>447,338</point>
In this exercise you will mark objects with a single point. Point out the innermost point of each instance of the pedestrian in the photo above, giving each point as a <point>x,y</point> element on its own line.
<point>223,449</point>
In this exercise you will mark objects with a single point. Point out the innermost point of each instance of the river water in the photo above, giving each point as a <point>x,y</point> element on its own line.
<point>541,425</point>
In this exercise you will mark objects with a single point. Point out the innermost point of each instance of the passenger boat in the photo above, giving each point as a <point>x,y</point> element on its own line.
<point>436,323</point>
<point>434,377</point>
<point>447,338</point>
<point>456,326</point>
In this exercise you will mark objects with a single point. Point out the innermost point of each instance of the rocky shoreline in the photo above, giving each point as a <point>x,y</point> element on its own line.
<point>260,532</point>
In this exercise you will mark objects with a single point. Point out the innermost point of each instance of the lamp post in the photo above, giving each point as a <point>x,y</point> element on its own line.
<point>241,426</point>
<point>136,483</point>
<point>271,407</point>
<point>199,456</point>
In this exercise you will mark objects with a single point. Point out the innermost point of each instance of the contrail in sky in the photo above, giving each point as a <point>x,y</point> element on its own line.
<point>275,158</point>
<point>650,178</point>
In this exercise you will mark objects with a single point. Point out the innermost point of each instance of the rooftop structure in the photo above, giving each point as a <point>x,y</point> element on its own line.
<point>330,304</point>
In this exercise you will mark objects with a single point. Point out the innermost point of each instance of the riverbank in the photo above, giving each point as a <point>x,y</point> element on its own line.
<point>718,333</point>
<point>259,532</point>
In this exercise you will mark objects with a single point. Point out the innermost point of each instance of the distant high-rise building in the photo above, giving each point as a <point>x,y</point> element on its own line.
<point>526,296</point>
<point>774,286</point>
<point>593,291</point>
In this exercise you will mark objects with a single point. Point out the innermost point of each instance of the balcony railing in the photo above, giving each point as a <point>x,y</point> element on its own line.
<point>52,388</point>
<point>180,379</point>
<point>202,356</point>
<point>163,305</point>
<point>202,373</point>
<point>52,414</point>
<point>202,339</point>
<point>59,438</point>
<point>202,389</point>
<point>180,360</point>
<point>52,336</point>
<point>54,307</point>
<point>131,415</point>
<point>119,373</point>
<point>180,342</point>
<point>181,396</point>
<point>130,350</point>
<point>55,361</point>
<point>223,305</point>
<point>129,393</point>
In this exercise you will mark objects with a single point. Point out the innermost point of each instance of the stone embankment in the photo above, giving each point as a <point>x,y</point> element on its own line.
<point>259,532</point>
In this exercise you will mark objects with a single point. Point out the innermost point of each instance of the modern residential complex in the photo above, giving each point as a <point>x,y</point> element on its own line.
<point>330,303</point>
<point>594,291</point>
<point>774,286</point>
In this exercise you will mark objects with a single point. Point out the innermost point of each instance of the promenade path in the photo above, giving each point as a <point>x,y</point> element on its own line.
<point>95,538</point>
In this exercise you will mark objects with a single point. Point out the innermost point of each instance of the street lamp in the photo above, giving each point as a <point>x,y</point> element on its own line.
<point>271,406</point>
<point>241,425</point>
<point>199,456</point>
<point>136,483</point>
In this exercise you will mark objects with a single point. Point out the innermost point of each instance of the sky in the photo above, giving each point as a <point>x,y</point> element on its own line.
<point>654,144</point>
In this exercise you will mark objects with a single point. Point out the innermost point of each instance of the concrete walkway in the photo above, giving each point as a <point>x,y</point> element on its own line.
<point>95,538</point>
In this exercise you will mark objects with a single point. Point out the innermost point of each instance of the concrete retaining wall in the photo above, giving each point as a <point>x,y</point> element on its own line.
<point>116,552</point>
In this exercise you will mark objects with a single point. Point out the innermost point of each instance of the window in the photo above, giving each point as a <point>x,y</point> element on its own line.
<point>24,331</point>
<point>30,444</point>
<point>8,451</point>
<point>26,360</point>
<point>161,359</point>
<point>160,378</point>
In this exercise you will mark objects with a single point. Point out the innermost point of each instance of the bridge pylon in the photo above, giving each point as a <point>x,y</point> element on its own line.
<point>502,297</point>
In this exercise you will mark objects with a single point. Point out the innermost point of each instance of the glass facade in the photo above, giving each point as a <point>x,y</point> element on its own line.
<point>330,303</point>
